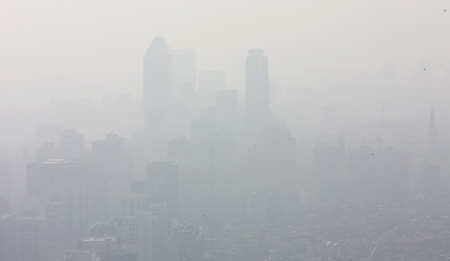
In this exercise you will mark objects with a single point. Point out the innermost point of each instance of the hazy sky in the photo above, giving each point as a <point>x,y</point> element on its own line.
<point>62,48</point>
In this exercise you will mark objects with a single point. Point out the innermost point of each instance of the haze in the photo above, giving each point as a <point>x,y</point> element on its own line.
<point>187,130</point>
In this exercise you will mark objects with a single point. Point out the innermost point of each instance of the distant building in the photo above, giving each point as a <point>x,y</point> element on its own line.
<point>64,181</point>
<point>158,96</point>
<point>109,176</point>
<point>71,143</point>
<point>275,161</point>
<point>48,132</point>
<point>32,238</point>
<point>47,150</point>
<point>257,107</point>
<point>8,240</point>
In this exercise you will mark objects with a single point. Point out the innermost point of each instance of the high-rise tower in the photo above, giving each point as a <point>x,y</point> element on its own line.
<point>256,88</point>
<point>158,95</point>
<point>157,83</point>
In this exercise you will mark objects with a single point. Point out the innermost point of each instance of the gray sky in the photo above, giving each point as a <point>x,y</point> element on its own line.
<point>62,48</point>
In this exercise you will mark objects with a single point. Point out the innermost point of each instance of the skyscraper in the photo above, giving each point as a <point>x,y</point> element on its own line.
<point>256,88</point>
<point>158,95</point>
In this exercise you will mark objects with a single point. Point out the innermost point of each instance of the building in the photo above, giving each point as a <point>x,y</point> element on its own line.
<point>48,132</point>
<point>110,177</point>
<point>63,182</point>
<point>158,96</point>
<point>273,163</point>
<point>71,143</point>
<point>8,242</point>
<point>257,107</point>
<point>32,238</point>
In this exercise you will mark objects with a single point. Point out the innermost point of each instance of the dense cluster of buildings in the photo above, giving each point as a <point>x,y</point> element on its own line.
<point>214,180</point>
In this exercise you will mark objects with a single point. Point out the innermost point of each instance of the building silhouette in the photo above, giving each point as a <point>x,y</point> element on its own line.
<point>158,95</point>
<point>257,107</point>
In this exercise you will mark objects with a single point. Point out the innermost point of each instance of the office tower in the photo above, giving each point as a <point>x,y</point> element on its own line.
<point>209,82</point>
<point>61,180</point>
<point>257,107</point>
<point>186,243</point>
<point>71,143</point>
<point>112,174</point>
<point>273,164</point>
<point>31,238</point>
<point>47,150</point>
<point>329,170</point>
<point>158,96</point>
<point>8,242</point>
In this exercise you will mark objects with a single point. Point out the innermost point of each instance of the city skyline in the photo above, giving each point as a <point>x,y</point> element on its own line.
<point>286,130</point>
